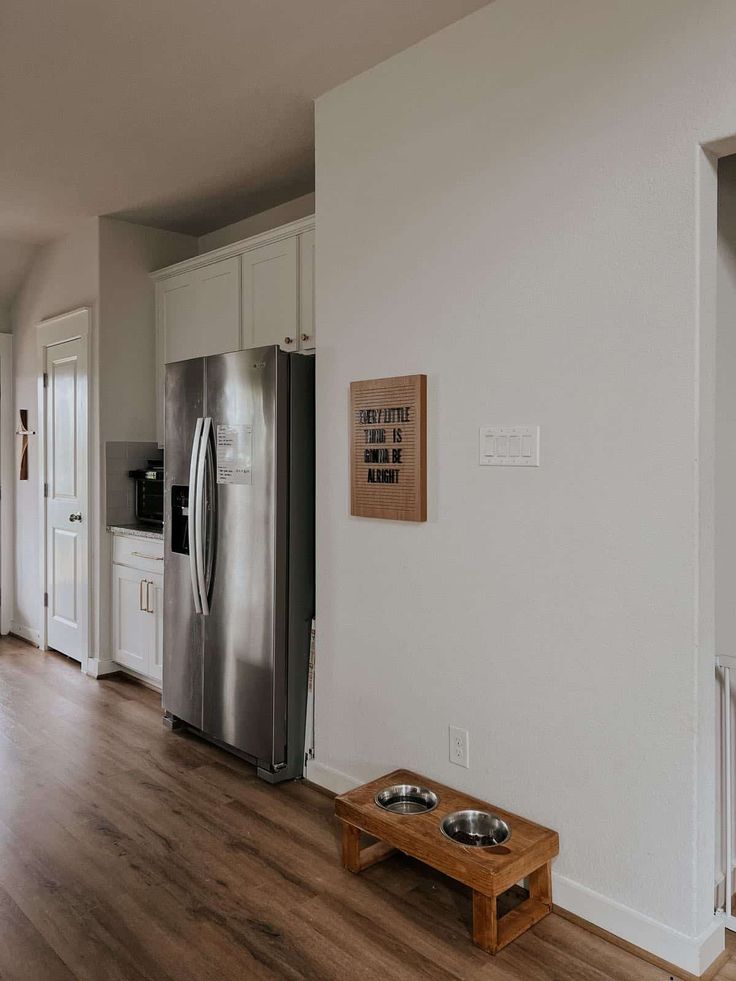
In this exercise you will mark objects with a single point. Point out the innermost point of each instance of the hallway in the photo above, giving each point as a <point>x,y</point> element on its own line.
<point>128,852</point>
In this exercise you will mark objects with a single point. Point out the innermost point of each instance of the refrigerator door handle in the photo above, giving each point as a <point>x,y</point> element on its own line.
<point>199,515</point>
<point>210,520</point>
<point>193,511</point>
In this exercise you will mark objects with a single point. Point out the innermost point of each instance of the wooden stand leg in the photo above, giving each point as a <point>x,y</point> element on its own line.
<point>485,922</point>
<point>350,847</point>
<point>540,884</point>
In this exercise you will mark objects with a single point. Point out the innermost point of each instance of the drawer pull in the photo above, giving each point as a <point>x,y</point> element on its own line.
<point>153,558</point>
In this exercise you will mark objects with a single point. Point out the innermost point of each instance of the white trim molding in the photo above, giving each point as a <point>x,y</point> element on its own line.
<point>25,632</point>
<point>293,228</point>
<point>97,667</point>
<point>7,484</point>
<point>335,781</point>
<point>692,954</point>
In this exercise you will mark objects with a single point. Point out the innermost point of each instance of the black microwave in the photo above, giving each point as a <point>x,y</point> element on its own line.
<point>149,493</point>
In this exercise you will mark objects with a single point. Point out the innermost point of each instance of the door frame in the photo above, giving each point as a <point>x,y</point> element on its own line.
<point>72,326</point>
<point>7,455</point>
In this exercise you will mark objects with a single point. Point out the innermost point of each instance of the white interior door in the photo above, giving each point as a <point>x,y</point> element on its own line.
<point>67,514</point>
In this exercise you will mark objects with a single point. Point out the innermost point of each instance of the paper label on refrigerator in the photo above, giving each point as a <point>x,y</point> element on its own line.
<point>234,454</point>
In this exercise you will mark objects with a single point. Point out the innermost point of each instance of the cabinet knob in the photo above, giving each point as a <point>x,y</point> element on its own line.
<point>305,338</point>
<point>288,340</point>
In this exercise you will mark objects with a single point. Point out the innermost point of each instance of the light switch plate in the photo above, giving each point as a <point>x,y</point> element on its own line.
<point>508,446</point>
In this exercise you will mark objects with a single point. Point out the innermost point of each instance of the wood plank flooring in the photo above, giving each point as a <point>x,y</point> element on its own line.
<point>130,853</point>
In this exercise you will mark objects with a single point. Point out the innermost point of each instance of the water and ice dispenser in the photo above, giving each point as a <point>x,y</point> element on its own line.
<point>180,520</point>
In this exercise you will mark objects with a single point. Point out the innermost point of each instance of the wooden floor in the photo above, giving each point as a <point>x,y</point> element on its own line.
<point>130,852</point>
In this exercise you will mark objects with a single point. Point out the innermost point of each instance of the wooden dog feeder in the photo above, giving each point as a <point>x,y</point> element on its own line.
<point>489,871</point>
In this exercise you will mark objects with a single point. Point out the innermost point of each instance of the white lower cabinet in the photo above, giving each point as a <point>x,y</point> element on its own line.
<point>137,613</point>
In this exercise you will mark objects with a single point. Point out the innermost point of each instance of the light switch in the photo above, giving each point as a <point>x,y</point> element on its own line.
<point>508,446</point>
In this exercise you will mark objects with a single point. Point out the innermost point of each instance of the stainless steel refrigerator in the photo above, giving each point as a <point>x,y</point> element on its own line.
<point>239,552</point>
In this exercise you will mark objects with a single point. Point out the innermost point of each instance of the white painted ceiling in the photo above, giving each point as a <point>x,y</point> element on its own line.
<point>184,114</point>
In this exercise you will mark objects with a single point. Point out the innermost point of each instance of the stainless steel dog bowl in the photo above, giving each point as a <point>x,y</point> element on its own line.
<point>477,828</point>
<point>404,798</point>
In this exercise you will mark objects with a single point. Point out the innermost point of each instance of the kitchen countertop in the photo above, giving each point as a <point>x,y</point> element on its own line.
<point>137,531</point>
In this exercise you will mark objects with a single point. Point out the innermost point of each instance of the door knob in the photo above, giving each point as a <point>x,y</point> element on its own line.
<point>76,516</point>
<point>305,338</point>
<point>288,340</point>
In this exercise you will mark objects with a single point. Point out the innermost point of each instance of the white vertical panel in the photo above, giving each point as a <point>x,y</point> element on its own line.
<point>63,469</point>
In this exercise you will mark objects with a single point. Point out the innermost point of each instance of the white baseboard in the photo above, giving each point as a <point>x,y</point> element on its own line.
<point>27,633</point>
<point>333,780</point>
<point>692,954</point>
<point>720,889</point>
<point>98,667</point>
<point>142,678</point>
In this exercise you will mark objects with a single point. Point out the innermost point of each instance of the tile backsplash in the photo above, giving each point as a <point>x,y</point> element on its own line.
<point>121,457</point>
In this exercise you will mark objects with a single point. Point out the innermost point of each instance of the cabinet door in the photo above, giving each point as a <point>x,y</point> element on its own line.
<point>197,313</point>
<point>200,311</point>
<point>177,310</point>
<point>270,307</point>
<point>132,626</point>
<point>307,326</point>
<point>218,308</point>
<point>155,598</point>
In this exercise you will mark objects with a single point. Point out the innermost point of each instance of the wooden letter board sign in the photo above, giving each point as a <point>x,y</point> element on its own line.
<point>388,448</point>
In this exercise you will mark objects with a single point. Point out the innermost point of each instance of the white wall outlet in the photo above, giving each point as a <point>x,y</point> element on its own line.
<point>459,746</point>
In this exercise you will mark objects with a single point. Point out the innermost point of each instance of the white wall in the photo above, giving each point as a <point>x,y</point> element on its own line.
<point>128,254</point>
<point>103,263</point>
<point>511,207</point>
<point>127,362</point>
<point>264,221</point>
<point>64,275</point>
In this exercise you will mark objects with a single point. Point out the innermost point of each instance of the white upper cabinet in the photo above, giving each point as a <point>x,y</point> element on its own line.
<point>200,311</point>
<point>177,313</point>
<point>307,325</point>
<point>218,295</point>
<point>250,294</point>
<point>270,295</point>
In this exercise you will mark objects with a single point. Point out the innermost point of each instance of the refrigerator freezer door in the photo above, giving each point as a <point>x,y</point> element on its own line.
<point>192,510</point>
<point>183,628</point>
<point>244,660</point>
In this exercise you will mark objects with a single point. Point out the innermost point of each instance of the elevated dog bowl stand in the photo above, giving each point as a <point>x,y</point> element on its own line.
<point>489,872</point>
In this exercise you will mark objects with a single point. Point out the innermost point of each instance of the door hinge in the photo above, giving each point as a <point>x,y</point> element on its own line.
<point>45,490</point>
<point>45,379</point>
<point>45,599</point>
